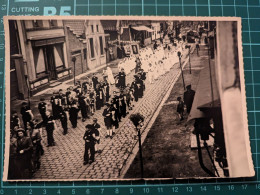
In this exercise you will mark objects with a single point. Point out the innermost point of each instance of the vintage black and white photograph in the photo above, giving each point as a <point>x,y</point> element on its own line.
<point>112,98</point>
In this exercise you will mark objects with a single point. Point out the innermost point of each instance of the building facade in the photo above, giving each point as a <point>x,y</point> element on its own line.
<point>41,45</point>
<point>95,39</point>
<point>76,45</point>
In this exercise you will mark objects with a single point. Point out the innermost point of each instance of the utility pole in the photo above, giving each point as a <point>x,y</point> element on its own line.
<point>188,47</point>
<point>179,55</point>
<point>73,59</point>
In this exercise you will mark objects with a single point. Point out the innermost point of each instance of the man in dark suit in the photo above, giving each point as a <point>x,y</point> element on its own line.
<point>89,138</point>
<point>188,98</point>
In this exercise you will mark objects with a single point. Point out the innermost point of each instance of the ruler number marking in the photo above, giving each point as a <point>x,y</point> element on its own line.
<point>160,190</point>
<point>203,188</point>
<point>231,187</point>
<point>189,189</point>
<point>175,189</point>
<point>44,191</point>
<point>244,186</point>
<point>217,188</point>
<point>146,190</point>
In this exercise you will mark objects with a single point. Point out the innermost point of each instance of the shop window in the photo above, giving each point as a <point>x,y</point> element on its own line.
<point>101,45</point>
<point>39,61</point>
<point>91,47</point>
<point>58,55</point>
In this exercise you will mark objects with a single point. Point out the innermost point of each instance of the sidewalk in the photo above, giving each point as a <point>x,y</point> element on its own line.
<point>166,149</point>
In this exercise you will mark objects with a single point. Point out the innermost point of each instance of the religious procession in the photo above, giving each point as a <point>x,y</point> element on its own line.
<point>110,93</point>
<point>86,119</point>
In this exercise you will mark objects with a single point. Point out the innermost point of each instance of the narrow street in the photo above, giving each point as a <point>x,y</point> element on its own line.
<point>65,160</point>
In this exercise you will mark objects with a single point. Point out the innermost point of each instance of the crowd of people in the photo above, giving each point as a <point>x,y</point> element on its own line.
<point>86,97</point>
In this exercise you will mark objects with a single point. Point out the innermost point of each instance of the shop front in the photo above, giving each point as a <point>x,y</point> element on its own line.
<point>49,62</point>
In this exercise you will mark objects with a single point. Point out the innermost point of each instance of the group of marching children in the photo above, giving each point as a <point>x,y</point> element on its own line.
<point>159,61</point>
<point>121,102</point>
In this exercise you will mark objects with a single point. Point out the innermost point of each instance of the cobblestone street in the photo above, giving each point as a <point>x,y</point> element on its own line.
<point>65,160</point>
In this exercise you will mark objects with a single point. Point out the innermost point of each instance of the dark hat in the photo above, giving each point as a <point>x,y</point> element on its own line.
<point>42,99</point>
<point>95,119</point>
<point>20,129</point>
<point>188,87</point>
<point>178,98</point>
<point>88,126</point>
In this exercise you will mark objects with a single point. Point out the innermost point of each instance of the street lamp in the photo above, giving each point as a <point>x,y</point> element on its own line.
<point>188,47</point>
<point>179,55</point>
<point>73,59</point>
<point>137,119</point>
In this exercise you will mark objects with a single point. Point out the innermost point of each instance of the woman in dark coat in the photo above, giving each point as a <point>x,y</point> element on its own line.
<point>83,107</point>
<point>24,153</point>
<point>121,79</point>
<point>135,87</point>
<point>140,85</point>
<point>73,112</point>
<point>122,104</point>
<point>114,117</point>
<point>26,113</point>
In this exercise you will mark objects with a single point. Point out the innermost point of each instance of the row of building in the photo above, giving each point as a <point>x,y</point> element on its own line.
<point>41,51</point>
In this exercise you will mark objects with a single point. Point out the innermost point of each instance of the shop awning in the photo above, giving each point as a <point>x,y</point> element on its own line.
<point>203,97</point>
<point>44,42</point>
<point>142,28</point>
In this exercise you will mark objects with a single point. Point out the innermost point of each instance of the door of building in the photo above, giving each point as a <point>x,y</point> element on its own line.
<point>50,62</point>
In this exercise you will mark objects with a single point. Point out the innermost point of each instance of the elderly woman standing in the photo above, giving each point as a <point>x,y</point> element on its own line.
<point>24,153</point>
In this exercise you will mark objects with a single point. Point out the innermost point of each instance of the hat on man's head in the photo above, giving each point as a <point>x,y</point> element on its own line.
<point>188,87</point>
<point>20,130</point>
<point>88,126</point>
<point>24,103</point>
<point>95,119</point>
